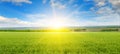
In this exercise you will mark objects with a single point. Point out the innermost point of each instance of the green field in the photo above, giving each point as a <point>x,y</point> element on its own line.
<point>59,43</point>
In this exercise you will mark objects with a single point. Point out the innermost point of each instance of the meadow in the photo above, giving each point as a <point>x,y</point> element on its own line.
<point>59,43</point>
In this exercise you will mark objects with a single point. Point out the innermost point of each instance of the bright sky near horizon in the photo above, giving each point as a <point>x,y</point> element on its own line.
<point>37,13</point>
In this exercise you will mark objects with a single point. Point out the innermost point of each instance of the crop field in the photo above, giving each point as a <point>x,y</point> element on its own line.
<point>59,43</point>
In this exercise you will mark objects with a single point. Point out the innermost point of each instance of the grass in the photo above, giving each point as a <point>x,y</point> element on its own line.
<point>59,43</point>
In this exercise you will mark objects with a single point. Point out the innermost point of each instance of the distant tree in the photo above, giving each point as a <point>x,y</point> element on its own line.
<point>79,30</point>
<point>110,30</point>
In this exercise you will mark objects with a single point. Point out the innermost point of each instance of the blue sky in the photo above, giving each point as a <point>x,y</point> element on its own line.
<point>36,13</point>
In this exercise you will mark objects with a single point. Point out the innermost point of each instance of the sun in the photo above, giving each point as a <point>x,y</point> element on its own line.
<point>56,23</point>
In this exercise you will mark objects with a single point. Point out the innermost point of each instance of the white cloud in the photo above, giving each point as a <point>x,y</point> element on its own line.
<point>36,16</point>
<point>109,18</point>
<point>100,21</point>
<point>113,4</point>
<point>57,4</point>
<point>105,11</point>
<point>48,20</point>
<point>108,12</point>
<point>12,22</point>
<point>17,1</point>
<point>112,19</point>
<point>100,2</point>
